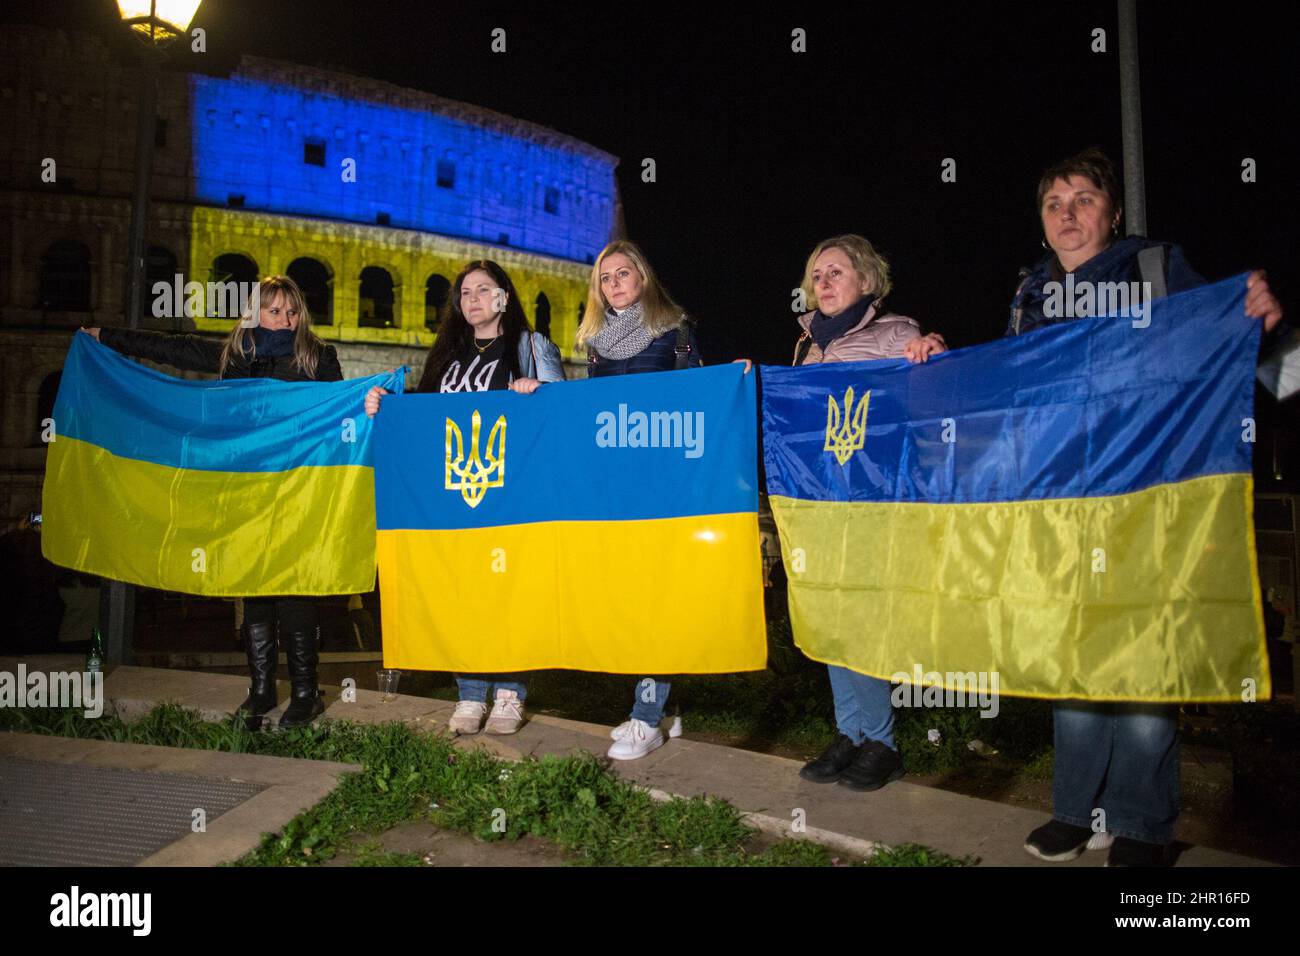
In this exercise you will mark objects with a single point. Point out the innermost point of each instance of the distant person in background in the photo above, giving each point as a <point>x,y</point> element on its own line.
<point>277,343</point>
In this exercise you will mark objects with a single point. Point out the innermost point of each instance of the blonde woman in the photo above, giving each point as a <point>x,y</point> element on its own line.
<point>274,340</point>
<point>846,280</point>
<point>631,325</point>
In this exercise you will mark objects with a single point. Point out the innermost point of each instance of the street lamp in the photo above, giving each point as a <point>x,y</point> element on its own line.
<point>157,23</point>
<point>158,20</point>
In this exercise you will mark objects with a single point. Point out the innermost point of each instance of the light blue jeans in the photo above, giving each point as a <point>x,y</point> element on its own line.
<point>477,686</point>
<point>863,708</point>
<point>651,699</point>
<point>1120,758</point>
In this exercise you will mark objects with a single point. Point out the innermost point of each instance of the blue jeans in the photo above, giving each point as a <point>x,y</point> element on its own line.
<point>863,709</point>
<point>651,699</point>
<point>476,686</point>
<point>1121,758</point>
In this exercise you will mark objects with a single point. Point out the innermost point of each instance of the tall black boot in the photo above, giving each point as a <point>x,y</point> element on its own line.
<point>259,645</point>
<point>302,654</point>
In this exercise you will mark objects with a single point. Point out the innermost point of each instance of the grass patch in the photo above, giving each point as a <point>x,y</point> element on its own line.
<point>573,801</point>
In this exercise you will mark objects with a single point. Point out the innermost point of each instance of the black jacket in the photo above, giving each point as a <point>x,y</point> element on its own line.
<point>194,353</point>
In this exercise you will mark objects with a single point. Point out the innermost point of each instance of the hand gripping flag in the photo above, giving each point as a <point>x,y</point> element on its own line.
<point>606,525</point>
<point>1069,509</point>
<point>224,488</point>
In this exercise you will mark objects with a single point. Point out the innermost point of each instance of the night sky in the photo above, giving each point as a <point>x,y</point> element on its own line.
<point>761,152</point>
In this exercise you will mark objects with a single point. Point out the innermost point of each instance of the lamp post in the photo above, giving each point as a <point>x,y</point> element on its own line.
<point>1130,101</point>
<point>156,23</point>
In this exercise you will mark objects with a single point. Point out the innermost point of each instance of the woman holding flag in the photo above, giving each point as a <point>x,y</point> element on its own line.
<point>847,280</point>
<point>275,343</point>
<point>1115,780</point>
<point>630,325</point>
<point>486,344</point>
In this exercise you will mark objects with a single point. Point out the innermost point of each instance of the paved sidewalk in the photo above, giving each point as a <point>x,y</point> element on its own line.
<point>768,787</point>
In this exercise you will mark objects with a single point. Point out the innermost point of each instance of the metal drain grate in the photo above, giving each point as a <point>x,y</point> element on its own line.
<point>55,814</point>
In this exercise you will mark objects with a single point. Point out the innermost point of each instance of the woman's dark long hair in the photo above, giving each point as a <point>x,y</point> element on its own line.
<point>456,333</point>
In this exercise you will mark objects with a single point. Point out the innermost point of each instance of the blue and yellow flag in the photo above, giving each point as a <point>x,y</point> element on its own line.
<point>222,488</point>
<point>1070,509</point>
<point>606,525</point>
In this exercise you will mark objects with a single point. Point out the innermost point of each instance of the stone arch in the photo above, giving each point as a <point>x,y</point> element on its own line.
<point>65,277</point>
<point>315,277</point>
<point>378,304</point>
<point>437,300</point>
<point>542,314</point>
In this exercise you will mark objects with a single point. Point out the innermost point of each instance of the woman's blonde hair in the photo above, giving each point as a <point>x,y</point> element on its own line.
<point>307,347</point>
<point>659,313</point>
<point>866,261</point>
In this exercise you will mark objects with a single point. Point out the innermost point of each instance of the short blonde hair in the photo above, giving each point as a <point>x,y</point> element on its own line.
<point>659,313</point>
<point>866,262</point>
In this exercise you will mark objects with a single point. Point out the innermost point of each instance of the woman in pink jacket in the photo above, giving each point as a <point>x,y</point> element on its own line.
<point>847,280</point>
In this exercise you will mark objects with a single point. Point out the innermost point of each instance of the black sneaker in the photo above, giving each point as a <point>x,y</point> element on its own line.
<point>875,765</point>
<point>1057,842</point>
<point>1126,852</point>
<point>831,765</point>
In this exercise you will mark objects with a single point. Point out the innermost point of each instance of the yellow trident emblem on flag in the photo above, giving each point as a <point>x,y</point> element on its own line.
<point>474,477</point>
<point>847,432</point>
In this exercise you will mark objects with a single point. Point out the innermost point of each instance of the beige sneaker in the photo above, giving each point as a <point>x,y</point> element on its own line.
<point>507,714</point>
<point>468,717</point>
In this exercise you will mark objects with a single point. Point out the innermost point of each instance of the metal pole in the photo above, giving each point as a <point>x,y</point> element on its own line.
<point>117,602</point>
<point>1130,101</point>
<point>145,126</point>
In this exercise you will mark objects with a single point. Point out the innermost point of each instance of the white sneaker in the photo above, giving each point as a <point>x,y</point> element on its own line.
<point>674,729</point>
<point>1100,841</point>
<point>467,717</point>
<point>507,714</point>
<point>638,740</point>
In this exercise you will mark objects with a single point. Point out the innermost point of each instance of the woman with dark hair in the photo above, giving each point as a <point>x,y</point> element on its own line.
<point>1119,758</point>
<point>485,344</point>
<point>278,343</point>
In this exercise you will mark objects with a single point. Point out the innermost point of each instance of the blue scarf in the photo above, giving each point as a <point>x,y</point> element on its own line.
<point>273,343</point>
<point>825,329</point>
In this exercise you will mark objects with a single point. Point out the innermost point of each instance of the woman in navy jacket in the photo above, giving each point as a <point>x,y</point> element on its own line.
<point>632,325</point>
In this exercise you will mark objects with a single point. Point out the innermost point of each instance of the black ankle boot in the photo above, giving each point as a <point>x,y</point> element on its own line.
<point>830,766</point>
<point>302,654</point>
<point>875,765</point>
<point>259,645</point>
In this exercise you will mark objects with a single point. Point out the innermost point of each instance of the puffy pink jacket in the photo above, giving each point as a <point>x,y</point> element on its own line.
<point>875,337</point>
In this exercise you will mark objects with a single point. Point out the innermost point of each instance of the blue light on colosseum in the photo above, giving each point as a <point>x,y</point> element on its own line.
<point>293,151</point>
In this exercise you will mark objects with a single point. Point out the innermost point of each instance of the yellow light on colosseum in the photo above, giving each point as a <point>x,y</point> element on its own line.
<point>158,19</point>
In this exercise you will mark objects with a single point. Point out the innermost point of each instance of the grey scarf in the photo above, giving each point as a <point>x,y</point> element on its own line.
<point>622,336</point>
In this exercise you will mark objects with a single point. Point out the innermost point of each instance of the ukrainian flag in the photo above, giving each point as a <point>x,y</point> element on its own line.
<point>606,525</point>
<point>1071,508</point>
<point>222,488</point>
